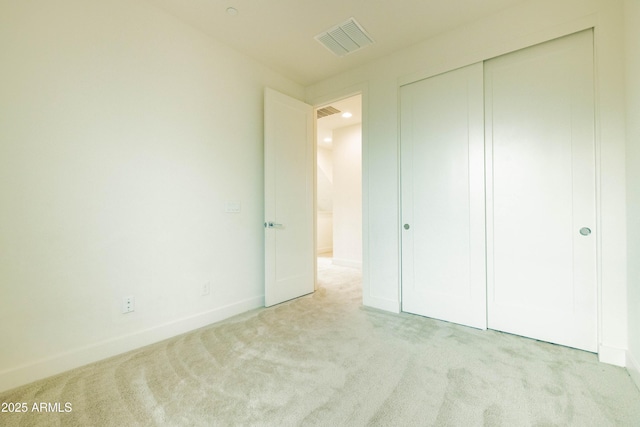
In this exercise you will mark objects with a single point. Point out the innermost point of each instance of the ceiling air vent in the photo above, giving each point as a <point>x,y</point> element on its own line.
<point>345,38</point>
<point>327,111</point>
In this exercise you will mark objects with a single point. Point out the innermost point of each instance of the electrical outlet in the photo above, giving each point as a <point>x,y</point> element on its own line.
<point>206,289</point>
<point>128,304</point>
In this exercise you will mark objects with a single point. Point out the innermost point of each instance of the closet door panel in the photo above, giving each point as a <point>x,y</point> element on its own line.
<point>539,106</point>
<point>442,155</point>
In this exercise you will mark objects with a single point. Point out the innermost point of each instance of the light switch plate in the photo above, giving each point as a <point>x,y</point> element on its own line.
<point>232,206</point>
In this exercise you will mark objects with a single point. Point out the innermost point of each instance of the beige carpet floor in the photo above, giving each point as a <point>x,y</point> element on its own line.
<point>324,360</point>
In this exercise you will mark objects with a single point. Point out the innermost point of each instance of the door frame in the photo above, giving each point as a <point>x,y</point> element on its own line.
<point>318,102</point>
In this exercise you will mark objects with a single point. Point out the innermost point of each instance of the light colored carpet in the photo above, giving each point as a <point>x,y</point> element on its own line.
<point>325,360</point>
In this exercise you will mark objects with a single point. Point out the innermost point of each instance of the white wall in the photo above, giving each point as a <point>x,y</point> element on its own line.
<point>523,25</point>
<point>347,196</point>
<point>324,195</point>
<point>632,50</point>
<point>122,134</point>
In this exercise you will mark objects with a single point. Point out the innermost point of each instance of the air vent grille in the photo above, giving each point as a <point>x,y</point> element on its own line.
<point>327,111</point>
<point>345,38</point>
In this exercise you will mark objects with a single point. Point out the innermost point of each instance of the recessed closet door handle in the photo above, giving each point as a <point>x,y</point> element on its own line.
<point>407,226</point>
<point>585,231</point>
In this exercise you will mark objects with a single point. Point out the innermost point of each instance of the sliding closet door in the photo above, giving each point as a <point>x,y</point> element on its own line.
<point>541,242</point>
<point>443,234</point>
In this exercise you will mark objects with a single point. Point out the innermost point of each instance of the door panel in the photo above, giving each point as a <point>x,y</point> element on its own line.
<point>541,192</point>
<point>289,186</point>
<point>443,250</point>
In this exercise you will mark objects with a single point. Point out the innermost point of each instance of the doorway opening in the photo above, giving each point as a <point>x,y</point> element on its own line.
<point>339,186</point>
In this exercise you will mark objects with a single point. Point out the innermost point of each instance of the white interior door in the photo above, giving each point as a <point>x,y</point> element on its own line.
<point>541,192</point>
<point>443,236</point>
<point>288,194</point>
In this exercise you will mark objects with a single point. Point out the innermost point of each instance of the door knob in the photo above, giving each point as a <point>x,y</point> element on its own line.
<point>585,231</point>
<point>407,226</point>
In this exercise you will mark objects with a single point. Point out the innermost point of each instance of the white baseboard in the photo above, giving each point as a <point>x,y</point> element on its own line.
<point>633,367</point>
<point>63,362</point>
<point>382,304</point>
<point>347,263</point>
<point>612,355</point>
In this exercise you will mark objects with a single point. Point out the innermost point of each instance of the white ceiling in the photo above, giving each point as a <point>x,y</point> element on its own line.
<point>280,33</point>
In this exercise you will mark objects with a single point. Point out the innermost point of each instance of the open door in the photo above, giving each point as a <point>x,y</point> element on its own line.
<point>288,198</point>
